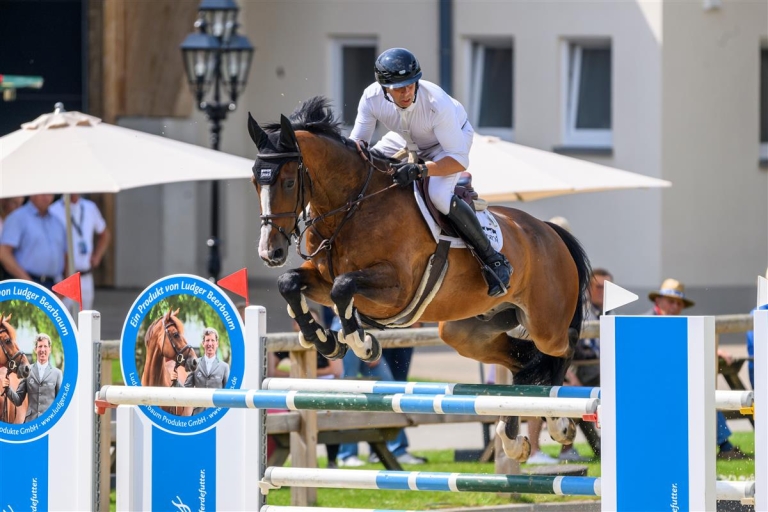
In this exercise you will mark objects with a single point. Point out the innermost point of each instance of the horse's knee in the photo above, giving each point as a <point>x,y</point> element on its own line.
<point>344,287</point>
<point>289,284</point>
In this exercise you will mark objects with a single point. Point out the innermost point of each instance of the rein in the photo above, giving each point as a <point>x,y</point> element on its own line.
<point>180,359</point>
<point>349,208</point>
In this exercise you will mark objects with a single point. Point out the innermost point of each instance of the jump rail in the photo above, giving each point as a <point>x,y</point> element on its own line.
<point>301,400</point>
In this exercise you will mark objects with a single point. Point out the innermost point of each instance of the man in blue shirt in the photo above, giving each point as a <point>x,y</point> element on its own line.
<point>33,245</point>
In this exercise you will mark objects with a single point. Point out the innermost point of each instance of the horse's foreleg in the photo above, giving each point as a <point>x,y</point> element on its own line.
<point>311,334</point>
<point>562,430</point>
<point>365,346</point>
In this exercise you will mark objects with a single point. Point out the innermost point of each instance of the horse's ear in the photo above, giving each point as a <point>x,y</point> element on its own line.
<point>8,317</point>
<point>175,313</point>
<point>258,136</point>
<point>287,135</point>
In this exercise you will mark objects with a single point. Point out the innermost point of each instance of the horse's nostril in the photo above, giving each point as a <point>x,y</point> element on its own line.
<point>277,254</point>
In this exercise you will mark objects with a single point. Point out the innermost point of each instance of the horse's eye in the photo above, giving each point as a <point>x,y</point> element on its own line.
<point>290,183</point>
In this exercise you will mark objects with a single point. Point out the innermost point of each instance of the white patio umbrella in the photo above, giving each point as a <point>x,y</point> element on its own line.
<point>74,153</point>
<point>504,171</point>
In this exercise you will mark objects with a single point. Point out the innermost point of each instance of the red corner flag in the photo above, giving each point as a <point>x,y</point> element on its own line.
<point>236,282</point>
<point>70,288</point>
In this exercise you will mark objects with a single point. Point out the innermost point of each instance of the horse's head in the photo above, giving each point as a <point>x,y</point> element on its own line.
<point>10,355</point>
<point>169,332</point>
<point>278,175</point>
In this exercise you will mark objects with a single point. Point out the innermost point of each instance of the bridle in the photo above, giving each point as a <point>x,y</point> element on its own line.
<point>13,366</point>
<point>180,359</point>
<point>349,208</point>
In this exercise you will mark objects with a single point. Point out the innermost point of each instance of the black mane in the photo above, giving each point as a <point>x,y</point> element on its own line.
<point>315,116</point>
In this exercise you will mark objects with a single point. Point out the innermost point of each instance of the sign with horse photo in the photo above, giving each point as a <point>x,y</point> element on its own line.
<point>39,393</point>
<point>182,331</point>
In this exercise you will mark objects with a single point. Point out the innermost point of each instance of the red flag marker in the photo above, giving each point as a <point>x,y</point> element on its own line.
<point>237,282</point>
<point>70,288</point>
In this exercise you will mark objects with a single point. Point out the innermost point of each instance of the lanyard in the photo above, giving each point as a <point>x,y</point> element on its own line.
<point>78,225</point>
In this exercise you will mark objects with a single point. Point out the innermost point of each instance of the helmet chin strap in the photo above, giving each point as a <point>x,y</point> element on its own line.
<point>386,96</point>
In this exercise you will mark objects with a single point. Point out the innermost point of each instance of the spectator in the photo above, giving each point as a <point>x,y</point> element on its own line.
<point>87,223</point>
<point>378,370</point>
<point>41,386</point>
<point>33,245</point>
<point>7,205</point>
<point>670,300</point>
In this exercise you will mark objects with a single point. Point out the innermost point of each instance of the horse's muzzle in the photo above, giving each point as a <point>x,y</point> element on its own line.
<point>23,370</point>
<point>190,364</point>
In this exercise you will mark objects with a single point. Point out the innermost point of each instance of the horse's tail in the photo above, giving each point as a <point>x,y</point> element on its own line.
<point>584,270</point>
<point>539,368</point>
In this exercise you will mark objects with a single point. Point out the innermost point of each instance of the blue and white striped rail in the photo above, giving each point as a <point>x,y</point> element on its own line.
<point>277,477</point>
<point>427,388</point>
<point>300,400</point>
<point>725,400</point>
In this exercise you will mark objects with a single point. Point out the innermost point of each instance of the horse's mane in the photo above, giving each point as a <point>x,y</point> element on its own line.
<point>315,116</point>
<point>148,334</point>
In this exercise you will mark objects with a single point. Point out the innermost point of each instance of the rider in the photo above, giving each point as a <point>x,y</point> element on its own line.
<point>430,124</point>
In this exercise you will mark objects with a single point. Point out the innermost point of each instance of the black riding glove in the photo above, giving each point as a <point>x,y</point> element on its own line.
<point>405,174</point>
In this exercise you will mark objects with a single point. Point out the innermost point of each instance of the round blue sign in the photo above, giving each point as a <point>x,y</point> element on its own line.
<point>183,331</point>
<point>34,321</point>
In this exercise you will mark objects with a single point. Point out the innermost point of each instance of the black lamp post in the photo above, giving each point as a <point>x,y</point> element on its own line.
<point>216,58</point>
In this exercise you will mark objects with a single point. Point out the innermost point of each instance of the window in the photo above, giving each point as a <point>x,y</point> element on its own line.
<point>764,104</point>
<point>354,59</point>
<point>588,94</point>
<point>491,105</point>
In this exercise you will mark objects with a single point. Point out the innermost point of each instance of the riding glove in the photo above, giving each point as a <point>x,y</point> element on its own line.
<point>405,174</point>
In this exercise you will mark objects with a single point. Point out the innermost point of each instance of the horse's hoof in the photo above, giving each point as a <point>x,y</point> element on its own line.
<point>340,349</point>
<point>562,430</point>
<point>373,353</point>
<point>518,449</point>
<point>303,341</point>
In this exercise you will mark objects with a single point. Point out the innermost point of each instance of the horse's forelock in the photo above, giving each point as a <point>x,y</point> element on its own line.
<point>315,116</point>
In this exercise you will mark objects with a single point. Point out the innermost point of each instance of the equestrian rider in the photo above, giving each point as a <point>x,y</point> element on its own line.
<point>433,126</point>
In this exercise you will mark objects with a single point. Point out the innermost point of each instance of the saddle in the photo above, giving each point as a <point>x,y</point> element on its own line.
<point>463,190</point>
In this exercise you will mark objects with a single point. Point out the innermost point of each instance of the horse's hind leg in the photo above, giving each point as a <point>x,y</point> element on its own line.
<point>486,341</point>
<point>311,334</point>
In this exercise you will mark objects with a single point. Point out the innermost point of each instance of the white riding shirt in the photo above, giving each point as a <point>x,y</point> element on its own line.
<point>436,123</point>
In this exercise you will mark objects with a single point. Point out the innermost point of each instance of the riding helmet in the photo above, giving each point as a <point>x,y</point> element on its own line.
<point>397,67</point>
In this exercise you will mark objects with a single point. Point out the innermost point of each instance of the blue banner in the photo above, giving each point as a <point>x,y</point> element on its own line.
<point>183,471</point>
<point>24,484</point>
<point>666,487</point>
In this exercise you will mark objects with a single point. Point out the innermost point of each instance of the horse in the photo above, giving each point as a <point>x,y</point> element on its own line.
<point>368,250</point>
<point>165,340</point>
<point>14,365</point>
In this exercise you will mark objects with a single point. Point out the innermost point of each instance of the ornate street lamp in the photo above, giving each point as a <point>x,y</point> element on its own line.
<point>216,58</point>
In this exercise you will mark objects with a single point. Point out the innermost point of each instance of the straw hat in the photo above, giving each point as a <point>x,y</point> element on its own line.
<point>672,288</point>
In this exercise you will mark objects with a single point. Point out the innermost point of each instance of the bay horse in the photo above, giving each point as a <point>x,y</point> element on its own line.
<point>165,340</point>
<point>14,365</point>
<point>368,248</point>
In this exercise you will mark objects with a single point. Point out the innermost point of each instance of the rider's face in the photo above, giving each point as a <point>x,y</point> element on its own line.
<point>403,96</point>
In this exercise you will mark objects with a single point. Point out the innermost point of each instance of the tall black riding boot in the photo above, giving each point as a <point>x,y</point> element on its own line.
<point>497,269</point>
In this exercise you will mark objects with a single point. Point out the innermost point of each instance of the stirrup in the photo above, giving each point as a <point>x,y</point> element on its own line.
<point>496,287</point>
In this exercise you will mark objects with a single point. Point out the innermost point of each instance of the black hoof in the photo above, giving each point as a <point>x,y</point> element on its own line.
<point>331,349</point>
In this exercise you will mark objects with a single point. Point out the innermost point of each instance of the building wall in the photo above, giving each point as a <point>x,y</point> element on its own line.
<point>620,230</point>
<point>714,230</point>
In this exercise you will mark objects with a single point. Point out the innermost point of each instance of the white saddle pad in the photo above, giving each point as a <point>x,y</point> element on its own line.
<point>486,218</point>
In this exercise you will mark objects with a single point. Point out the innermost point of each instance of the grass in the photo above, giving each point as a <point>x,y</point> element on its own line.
<point>442,461</point>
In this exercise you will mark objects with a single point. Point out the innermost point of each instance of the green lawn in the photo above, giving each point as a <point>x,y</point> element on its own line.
<point>442,461</point>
